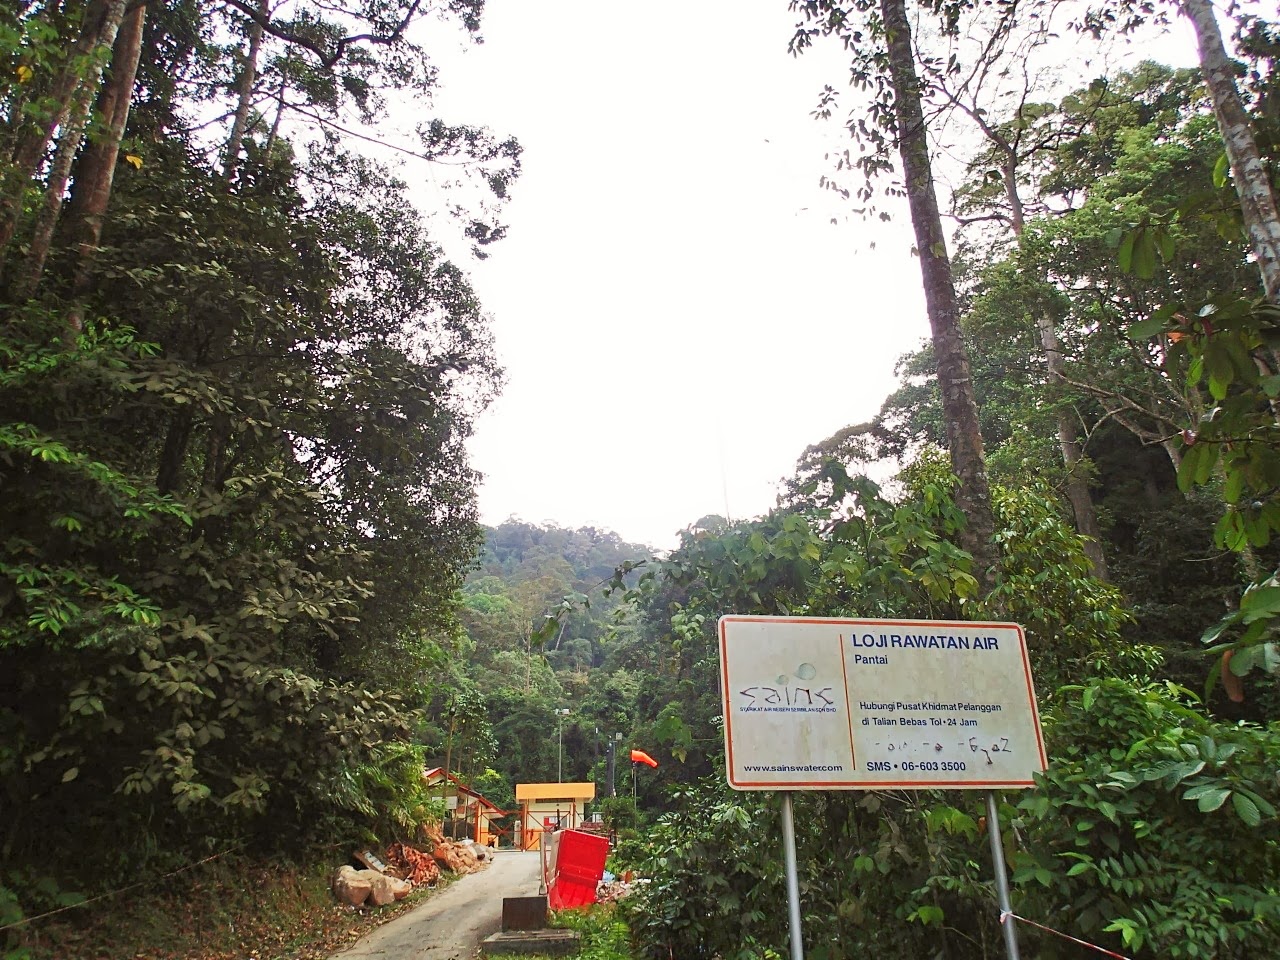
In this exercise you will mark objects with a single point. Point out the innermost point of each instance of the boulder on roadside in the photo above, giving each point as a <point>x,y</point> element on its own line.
<point>357,887</point>
<point>388,889</point>
<point>353,886</point>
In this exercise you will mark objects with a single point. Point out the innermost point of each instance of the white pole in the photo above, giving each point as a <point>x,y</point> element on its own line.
<point>1002,879</point>
<point>542,862</point>
<point>793,877</point>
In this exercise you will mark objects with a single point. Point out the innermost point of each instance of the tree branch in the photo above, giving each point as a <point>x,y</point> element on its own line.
<point>325,122</point>
<point>327,58</point>
<point>1122,402</point>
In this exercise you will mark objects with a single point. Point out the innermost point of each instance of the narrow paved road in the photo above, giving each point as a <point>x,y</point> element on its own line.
<point>451,924</point>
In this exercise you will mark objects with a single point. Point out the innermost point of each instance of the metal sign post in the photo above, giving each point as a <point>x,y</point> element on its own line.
<point>793,876</point>
<point>813,703</point>
<point>1002,877</point>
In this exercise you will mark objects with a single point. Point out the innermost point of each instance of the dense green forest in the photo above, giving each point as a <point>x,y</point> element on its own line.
<point>237,381</point>
<point>245,597</point>
<point>496,716</point>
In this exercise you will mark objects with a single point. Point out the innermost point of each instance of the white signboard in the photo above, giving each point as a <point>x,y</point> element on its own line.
<point>814,704</point>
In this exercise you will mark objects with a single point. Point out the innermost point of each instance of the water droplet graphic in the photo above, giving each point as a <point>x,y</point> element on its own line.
<point>806,671</point>
<point>783,680</point>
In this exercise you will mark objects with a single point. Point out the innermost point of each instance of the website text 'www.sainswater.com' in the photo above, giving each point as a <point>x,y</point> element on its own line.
<point>785,768</point>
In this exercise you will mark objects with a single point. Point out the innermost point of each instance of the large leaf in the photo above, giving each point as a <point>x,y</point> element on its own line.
<point>1246,809</point>
<point>1260,602</point>
<point>1212,799</point>
<point>1146,328</point>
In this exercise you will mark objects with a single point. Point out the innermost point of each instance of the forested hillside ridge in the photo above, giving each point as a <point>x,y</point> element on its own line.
<point>237,376</point>
<point>495,720</point>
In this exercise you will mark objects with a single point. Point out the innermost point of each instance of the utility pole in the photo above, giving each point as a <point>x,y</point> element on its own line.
<point>613,742</point>
<point>561,713</point>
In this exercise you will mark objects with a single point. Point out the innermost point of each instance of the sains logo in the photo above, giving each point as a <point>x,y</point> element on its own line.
<point>797,693</point>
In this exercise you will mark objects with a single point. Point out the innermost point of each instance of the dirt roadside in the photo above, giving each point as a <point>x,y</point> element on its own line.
<point>450,926</point>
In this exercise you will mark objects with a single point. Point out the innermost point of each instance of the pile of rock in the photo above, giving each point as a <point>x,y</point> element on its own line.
<point>461,857</point>
<point>405,867</point>
<point>483,854</point>
<point>410,863</point>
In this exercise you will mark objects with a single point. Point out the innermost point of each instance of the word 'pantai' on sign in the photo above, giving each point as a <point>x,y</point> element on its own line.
<point>817,704</point>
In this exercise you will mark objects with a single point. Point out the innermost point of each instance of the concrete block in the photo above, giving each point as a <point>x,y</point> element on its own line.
<point>550,943</point>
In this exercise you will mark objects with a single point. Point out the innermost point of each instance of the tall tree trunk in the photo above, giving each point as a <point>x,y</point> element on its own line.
<point>68,146</point>
<point>95,171</point>
<point>248,74</point>
<point>528,661</point>
<point>270,144</point>
<point>1086,516</point>
<point>214,475</point>
<point>1257,200</point>
<point>31,146</point>
<point>174,451</point>
<point>963,435</point>
<point>1078,493</point>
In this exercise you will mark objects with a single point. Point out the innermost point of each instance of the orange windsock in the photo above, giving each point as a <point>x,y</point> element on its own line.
<point>639,756</point>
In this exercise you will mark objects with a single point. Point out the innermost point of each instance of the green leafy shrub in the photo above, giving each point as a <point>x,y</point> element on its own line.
<point>1152,833</point>
<point>388,790</point>
<point>163,739</point>
<point>714,878</point>
<point>604,934</point>
<point>1154,823</point>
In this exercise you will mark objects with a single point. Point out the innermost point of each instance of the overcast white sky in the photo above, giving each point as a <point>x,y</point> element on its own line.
<point>677,315</point>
